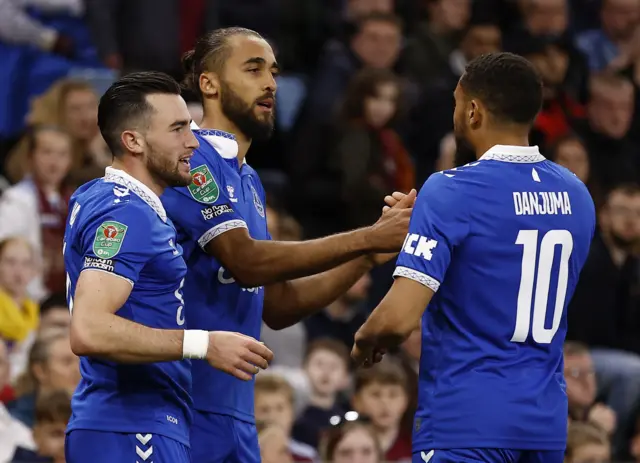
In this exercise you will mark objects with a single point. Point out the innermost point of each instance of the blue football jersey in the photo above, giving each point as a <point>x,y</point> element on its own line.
<point>223,196</point>
<point>118,225</point>
<point>502,242</point>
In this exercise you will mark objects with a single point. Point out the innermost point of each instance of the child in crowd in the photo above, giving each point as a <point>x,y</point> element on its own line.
<point>587,443</point>
<point>326,365</point>
<point>274,405</point>
<point>53,410</point>
<point>274,444</point>
<point>381,395</point>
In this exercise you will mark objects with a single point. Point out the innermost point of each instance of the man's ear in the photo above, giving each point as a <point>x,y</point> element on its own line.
<point>476,113</point>
<point>133,141</point>
<point>209,84</point>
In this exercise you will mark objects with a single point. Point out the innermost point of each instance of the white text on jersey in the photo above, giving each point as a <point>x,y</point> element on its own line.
<point>541,203</point>
<point>424,247</point>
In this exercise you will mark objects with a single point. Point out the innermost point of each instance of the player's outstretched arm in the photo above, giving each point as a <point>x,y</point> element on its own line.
<point>258,263</point>
<point>392,321</point>
<point>97,331</point>
<point>288,302</point>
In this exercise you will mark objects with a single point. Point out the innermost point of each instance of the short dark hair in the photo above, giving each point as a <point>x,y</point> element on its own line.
<point>126,100</point>
<point>387,373</point>
<point>507,84</point>
<point>54,301</point>
<point>53,407</point>
<point>209,54</point>
<point>377,17</point>
<point>331,345</point>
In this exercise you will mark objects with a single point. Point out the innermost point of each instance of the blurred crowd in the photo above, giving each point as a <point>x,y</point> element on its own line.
<point>364,108</point>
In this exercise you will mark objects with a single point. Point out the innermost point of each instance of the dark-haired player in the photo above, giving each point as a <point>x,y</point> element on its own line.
<point>237,276</point>
<point>494,252</point>
<point>125,274</point>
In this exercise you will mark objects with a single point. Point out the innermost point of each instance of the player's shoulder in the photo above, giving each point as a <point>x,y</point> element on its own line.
<point>103,200</point>
<point>457,178</point>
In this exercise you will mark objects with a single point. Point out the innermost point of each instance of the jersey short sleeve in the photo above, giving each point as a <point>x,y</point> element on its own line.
<point>202,210</point>
<point>119,242</point>
<point>438,224</point>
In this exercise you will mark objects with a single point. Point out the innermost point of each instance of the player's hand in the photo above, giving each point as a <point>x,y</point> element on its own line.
<point>238,355</point>
<point>366,356</point>
<point>393,199</point>
<point>604,417</point>
<point>390,231</point>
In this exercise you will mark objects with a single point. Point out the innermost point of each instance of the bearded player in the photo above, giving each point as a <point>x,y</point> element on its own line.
<point>237,277</point>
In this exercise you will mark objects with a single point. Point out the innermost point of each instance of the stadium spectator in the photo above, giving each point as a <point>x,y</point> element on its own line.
<point>18,312</point>
<point>580,376</point>
<point>587,443</point>
<point>53,410</point>
<point>427,54</point>
<point>371,157</point>
<point>375,43</point>
<point>73,106</point>
<point>616,44</point>
<point>54,315</point>
<point>274,405</point>
<point>341,319</point>
<point>274,445</point>
<point>351,442</point>
<point>381,395</point>
<point>36,207</point>
<point>610,112</point>
<point>327,367</point>
<point>52,365</point>
<point>569,151</point>
<point>13,433</point>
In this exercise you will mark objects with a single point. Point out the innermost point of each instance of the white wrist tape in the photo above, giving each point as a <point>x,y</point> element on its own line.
<point>195,344</point>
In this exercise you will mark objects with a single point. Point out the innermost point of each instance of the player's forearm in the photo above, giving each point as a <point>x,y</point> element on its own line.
<point>291,301</point>
<point>385,329</point>
<point>267,262</point>
<point>109,336</point>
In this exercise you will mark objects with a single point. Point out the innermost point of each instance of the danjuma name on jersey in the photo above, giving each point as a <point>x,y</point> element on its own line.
<point>541,203</point>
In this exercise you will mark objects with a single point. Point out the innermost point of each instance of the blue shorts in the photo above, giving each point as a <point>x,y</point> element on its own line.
<point>223,439</point>
<point>488,456</point>
<point>82,446</point>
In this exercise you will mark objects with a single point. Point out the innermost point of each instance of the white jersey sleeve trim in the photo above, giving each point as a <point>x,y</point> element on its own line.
<point>108,273</point>
<point>219,229</point>
<point>420,277</point>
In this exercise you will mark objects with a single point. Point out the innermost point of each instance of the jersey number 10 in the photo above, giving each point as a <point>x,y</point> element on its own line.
<point>542,258</point>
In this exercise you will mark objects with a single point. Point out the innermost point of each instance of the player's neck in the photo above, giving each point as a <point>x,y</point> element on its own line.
<point>138,171</point>
<point>500,138</point>
<point>226,125</point>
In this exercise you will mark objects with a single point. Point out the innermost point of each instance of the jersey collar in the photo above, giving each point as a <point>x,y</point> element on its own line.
<point>224,143</point>
<point>517,154</point>
<point>140,189</point>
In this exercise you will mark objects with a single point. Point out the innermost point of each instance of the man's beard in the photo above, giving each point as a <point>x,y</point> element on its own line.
<point>165,171</point>
<point>464,152</point>
<point>242,115</point>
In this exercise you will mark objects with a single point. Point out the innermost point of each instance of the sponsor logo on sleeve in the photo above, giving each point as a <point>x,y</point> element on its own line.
<point>212,212</point>
<point>97,263</point>
<point>203,186</point>
<point>109,238</point>
<point>419,246</point>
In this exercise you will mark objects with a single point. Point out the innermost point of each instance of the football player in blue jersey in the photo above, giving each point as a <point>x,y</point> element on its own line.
<point>236,276</point>
<point>125,273</point>
<point>493,254</point>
